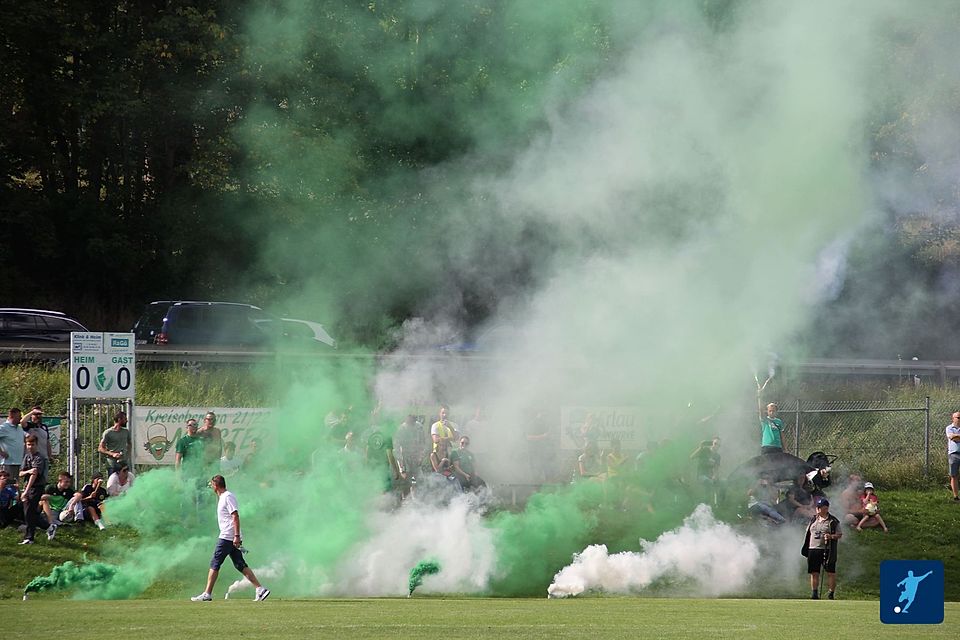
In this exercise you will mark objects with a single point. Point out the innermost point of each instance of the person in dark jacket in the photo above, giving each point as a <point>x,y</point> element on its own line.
<point>820,548</point>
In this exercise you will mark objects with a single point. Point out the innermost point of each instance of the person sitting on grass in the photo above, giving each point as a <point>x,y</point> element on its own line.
<point>10,509</point>
<point>90,505</point>
<point>871,510</point>
<point>120,481</point>
<point>55,499</point>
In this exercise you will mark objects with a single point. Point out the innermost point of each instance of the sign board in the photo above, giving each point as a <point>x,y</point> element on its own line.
<point>102,365</point>
<point>157,429</point>
<point>625,424</point>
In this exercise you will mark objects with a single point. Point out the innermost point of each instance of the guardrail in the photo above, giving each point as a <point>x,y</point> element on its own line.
<point>940,372</point>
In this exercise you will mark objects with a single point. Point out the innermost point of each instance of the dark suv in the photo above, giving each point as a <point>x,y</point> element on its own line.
<point>222,324</point>
<point>36,326</point>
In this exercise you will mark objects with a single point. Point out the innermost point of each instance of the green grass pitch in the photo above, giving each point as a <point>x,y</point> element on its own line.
<point>596,618</point>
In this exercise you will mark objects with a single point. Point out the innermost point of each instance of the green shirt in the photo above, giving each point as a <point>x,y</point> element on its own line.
<point>191,450</point>
<point>771,432</point>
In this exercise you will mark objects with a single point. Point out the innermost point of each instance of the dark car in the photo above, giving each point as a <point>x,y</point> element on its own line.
<point>199,323</point>
<point>36,327</point>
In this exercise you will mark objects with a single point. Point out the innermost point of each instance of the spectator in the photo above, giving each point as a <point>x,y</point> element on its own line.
<point>252,459</point>
<point>953,453</point>
<point>851,500</point>
<point>212,440</point>
<point>55,499</point>
<point>9,505</point>
<point>589,464</point>
<point>33,423</point>
<point>589,431</point>
<point>762,499</point>
<point>871,509</point>
<point>120,481</point>
<point>444,471</point>
<point>771,428</point>
<point>799,504</point>
<point>229,463</point>
<point>190,449</point>
<point>91,500</point>
<point>33,474</point>
<point>707,456</point>
<point>115,443</point>
<point>464,466</point>
<point>11,444</point>
<point>541,448</point>
<point>820,548</point>
<point>409,448</point>
<point>443,432</point>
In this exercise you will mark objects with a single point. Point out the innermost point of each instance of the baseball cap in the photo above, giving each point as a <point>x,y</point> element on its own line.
<point>868,485</point>
<point>96,474</point>
<point>823,502</point>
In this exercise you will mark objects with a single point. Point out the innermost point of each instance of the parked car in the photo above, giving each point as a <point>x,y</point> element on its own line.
<point>36,327</point>
<point>199,323</point>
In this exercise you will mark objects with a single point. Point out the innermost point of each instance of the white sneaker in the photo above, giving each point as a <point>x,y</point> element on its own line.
<point>26,541</point>
<point>203,597</point>
<point>262,593</point>
<point>51,531</point>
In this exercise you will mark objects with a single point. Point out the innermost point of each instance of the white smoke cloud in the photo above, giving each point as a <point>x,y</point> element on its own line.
<point>703,552</point>
<point>453,534</point>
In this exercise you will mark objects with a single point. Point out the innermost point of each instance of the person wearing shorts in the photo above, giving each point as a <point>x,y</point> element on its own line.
<point>953,453</point>
<point>229,544</point>
<point>820,549</point>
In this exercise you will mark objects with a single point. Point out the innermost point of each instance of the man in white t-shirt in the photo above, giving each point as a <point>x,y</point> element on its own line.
<point>230,543</point>
<point>953,453</point>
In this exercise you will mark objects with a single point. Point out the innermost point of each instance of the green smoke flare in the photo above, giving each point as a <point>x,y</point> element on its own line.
<point>423,568</point>
<point>69,575</point>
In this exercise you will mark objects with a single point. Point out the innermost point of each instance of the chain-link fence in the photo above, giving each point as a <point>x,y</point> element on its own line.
<point>887,442</point>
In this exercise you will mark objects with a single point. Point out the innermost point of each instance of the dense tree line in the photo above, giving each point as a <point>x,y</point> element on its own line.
<point>259,150</point>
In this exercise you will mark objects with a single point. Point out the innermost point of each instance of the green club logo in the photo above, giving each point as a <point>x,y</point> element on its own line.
<point>101,381</point>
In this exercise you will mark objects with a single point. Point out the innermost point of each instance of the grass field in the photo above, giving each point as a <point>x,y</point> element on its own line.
<point>380,618</point>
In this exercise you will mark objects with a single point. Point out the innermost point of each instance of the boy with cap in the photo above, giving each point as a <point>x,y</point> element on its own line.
<point>820,548</point>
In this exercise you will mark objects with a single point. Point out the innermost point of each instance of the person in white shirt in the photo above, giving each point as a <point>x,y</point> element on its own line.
<point>230,543</point>
<point>120,481</point>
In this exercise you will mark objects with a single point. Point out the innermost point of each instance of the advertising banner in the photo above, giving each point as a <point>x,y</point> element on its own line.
<point>157,429</point>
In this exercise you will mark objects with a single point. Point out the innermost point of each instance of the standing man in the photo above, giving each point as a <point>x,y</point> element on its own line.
<point>953,453</point>
<point>229,543</point>
<point>33,475</point>
<point>11,445</point>
<point>190,448</point>
<point>212,441</point>
<point>770,430</point>
<point>820,548</point>
<point>115,443</point>
<point>33,423</point>
<point>443,432</point>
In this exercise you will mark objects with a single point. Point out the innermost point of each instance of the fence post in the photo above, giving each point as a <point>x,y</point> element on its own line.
<point>796,432</point>
<point>926,439</point>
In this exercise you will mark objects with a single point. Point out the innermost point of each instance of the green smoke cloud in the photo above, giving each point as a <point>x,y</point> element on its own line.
<point>423,568</point>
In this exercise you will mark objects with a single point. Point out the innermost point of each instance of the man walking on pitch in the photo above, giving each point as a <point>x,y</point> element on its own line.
<point>953,453</point>
<point>229,543</point>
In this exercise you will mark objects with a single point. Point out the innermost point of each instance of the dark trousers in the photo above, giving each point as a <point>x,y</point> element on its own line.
<point>31,512</point>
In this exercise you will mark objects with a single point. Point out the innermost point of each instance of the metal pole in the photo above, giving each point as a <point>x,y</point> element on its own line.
<point>72,437</point>
<point>926,438</point>
<point>796,432</point>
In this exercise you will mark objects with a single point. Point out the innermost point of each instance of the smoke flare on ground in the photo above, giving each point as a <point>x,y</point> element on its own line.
<point>423,568</point>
